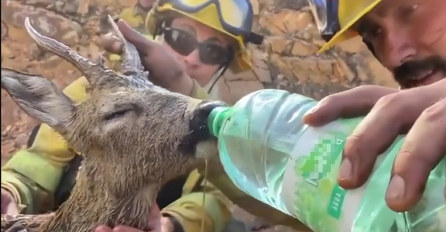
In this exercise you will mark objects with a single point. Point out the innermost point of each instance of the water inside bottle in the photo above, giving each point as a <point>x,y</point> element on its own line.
<point>258,139</point>
<point>261,175</point>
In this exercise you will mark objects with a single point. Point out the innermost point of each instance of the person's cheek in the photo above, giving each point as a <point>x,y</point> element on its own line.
<point>207,73</point>
<point>171,51</point>
<point>429,29</point>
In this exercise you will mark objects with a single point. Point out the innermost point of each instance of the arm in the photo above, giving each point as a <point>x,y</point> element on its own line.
<point>32,175</point>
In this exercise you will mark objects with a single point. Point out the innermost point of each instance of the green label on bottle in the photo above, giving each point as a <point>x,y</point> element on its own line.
<point>321,159</point>
<point>336,201</point>
<point>312,194</point>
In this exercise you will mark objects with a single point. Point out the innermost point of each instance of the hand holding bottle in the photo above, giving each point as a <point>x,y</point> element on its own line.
<point>419,112</point>
<point>270,154</point>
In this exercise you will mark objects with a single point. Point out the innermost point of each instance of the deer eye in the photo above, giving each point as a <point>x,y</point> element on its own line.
<point>117,114</point>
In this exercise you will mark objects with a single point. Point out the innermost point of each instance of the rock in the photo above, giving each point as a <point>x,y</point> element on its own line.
<point>7,150</point>
<point>239,88</point>
<point>75,23</point>
<point>290,49</point>
<point>21,140</point>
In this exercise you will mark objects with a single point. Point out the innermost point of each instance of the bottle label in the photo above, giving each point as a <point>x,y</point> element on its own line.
<point>312,194</point>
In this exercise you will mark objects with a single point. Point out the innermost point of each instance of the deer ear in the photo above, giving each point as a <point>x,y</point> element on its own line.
<point>38,97</point>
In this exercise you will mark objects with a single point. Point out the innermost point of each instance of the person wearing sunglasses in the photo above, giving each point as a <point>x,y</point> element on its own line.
<point>192,43</point>
<point>207,46</point>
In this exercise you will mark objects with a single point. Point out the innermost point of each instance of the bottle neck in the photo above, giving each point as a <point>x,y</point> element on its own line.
<point>216,119</point>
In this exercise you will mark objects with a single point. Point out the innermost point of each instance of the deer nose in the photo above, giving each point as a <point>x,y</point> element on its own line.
<point>204,109</point>
<point>199,122</point>
<point>198,126</point>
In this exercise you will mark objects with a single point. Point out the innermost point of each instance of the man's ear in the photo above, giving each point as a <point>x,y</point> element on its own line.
<point>39,98</point>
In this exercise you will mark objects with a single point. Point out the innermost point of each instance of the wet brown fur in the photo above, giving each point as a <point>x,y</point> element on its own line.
<point>127,156</point>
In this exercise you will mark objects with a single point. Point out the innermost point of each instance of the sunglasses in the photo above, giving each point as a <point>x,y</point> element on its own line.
<point>184,43</point>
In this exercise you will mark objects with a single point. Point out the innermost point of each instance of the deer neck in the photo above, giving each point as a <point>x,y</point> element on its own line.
<point>93,202</point>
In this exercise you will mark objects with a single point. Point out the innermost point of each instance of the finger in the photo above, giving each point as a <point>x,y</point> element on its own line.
<point>9,209</point>
<point>392,115</point>
<point>140,41</point>
<point>111,44</point>
<point>155,213</point>
<point>155,58</point>
<point>352,103</point>
<point>125,229</point>
<point>423,148</point>
<point>12,208</point>
<point>444,192</point>
<point>155,216</point>
<point>8,203</point>
<point>103,229</point>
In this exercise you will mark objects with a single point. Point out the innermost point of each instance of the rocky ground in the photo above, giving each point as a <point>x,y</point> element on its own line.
<point>14,135</point>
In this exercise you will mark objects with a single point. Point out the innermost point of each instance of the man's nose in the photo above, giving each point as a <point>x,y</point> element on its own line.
<point>192,60</point>
<point>397,49</point>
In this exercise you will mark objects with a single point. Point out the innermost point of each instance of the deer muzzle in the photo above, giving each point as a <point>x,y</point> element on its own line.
<point>198,125</point>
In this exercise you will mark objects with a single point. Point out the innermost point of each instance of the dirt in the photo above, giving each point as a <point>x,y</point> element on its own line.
<point>14,135</point>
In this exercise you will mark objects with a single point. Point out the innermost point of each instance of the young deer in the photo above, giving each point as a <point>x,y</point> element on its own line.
<point>134,137</point>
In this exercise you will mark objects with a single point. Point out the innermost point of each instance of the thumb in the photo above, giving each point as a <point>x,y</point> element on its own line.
<point>134,37</point>
<point>348,104</point>
<point>103,229</point>
<point>111,44</point>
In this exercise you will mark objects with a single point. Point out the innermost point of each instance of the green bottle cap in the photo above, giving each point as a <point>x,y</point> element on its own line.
<point>217,117</point>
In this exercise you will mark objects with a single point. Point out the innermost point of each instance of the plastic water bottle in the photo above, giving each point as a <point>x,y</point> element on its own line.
<point>270,154</point>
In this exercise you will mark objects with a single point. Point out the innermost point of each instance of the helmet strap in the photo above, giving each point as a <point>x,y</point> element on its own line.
<point>222,69</point>
<point>370,47</point>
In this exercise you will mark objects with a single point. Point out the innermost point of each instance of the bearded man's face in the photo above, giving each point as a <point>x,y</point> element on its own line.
<point>409,38</point>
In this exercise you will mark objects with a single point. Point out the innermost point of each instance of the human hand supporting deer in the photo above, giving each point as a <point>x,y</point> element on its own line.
<point>155,221</point>
<point>165,69</point>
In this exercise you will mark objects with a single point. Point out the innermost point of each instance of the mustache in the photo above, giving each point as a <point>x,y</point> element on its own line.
<point>412,70</point>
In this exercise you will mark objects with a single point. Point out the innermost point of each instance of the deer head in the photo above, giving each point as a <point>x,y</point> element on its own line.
<point>134,135</point>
